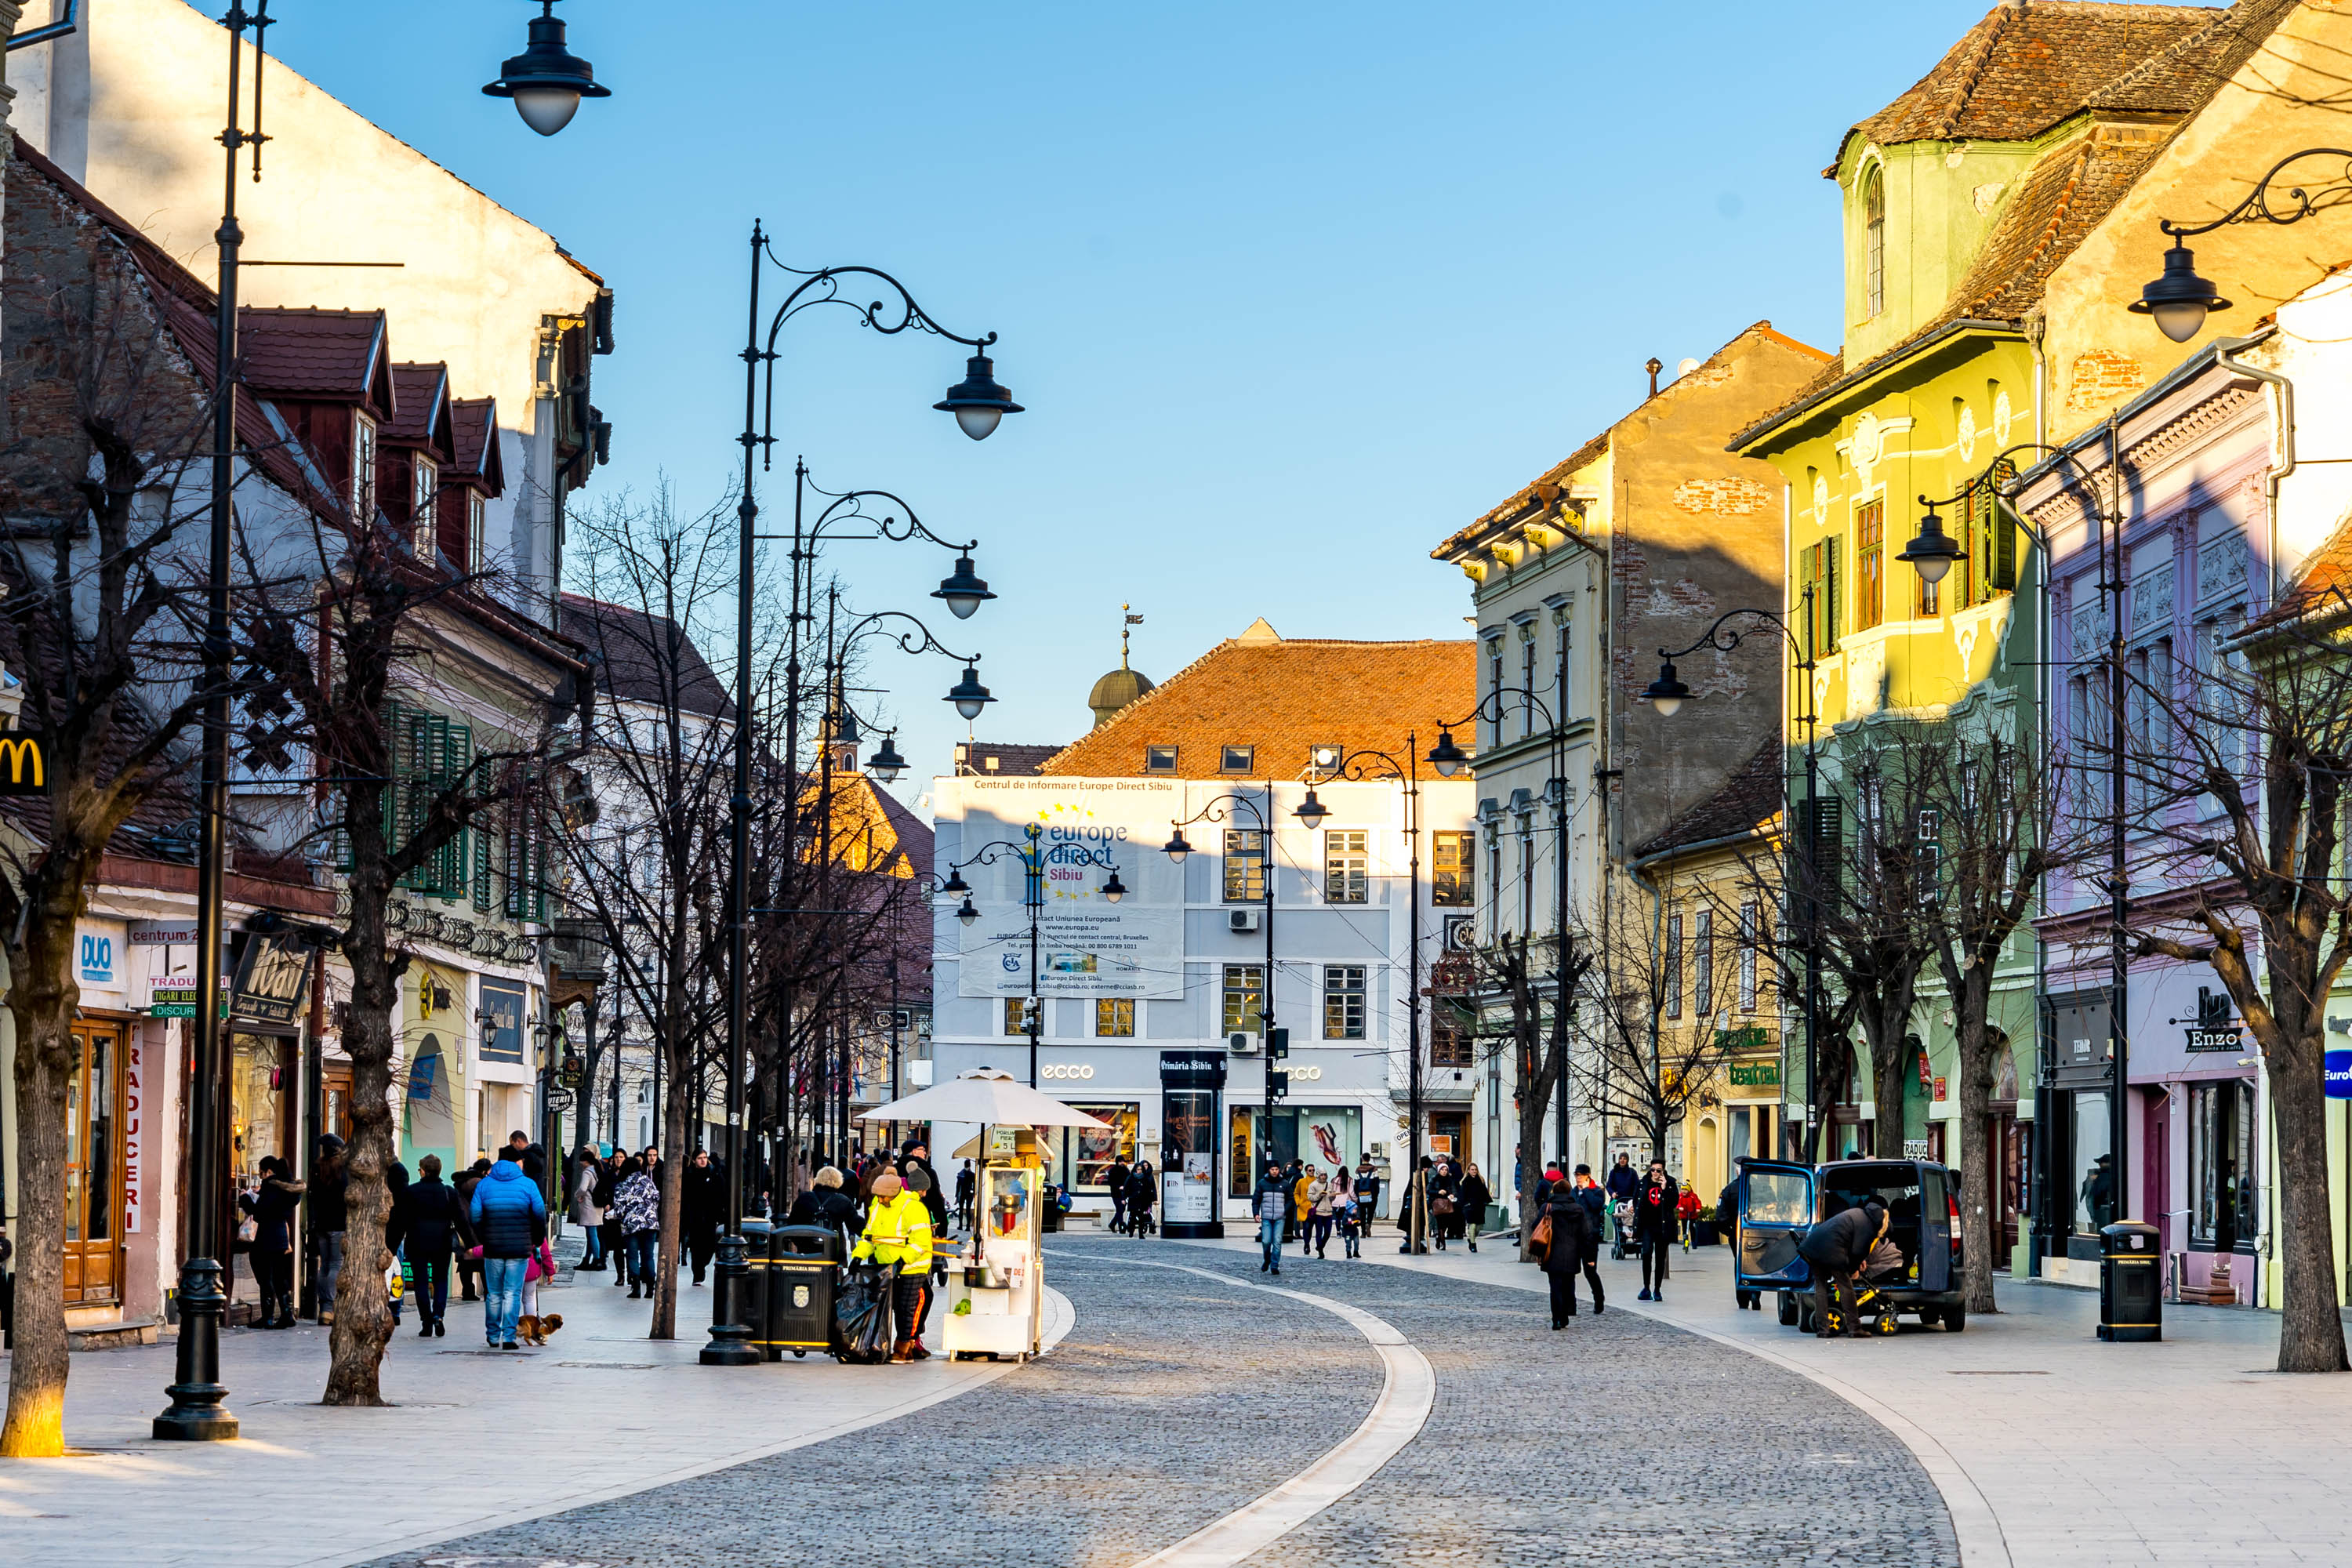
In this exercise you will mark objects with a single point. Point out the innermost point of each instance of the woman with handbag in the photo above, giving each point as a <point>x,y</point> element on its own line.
<point>1444,1202</point>
<point>588,1208</point>
<point>1564,1232</point>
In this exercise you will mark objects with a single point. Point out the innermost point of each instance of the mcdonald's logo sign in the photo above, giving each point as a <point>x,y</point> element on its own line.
<point>23,770</point>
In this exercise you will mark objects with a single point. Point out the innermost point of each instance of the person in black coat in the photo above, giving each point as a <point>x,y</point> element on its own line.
<point>1472,1201</point>
<point>1574,1246</point>
<point>917,1156</point>
<point>1445,1202</point>
<point>1142,1192</point>
<point>1835,1251</point>
<point>1115,1179</point>
<point>429,1223</point>
<point>1654,1222</point>
<point>469,1269</point>
<point>705,1207</point>
<point>329,1217</point>
<point>608,1182</point>
<point>272,1207</point>
<point>825,1204</point>
<point>966,1187</point>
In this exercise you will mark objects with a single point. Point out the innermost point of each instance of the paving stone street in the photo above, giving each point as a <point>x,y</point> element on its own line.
<point>1175,1400</point>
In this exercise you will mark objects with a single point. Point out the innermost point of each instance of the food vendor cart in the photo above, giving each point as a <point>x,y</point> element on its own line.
<point>996,1280</point>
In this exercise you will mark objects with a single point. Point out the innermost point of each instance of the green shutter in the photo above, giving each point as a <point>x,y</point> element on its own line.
<point>2001,552</point>
<point>477,840</point>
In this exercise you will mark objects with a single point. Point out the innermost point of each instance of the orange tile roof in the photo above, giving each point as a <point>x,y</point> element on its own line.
<point>1281,698</point>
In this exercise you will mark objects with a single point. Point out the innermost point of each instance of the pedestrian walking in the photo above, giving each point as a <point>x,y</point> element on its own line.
<point>1444,1201</point>
<point>1571,1246</point>
<point>1655,1204</point>
<point>469,1256</point>
<point>899,1233</point>
<point>329,1218</point>
<point>1687,1211</point>
<point>966,1188</point>
<point>510,1217</point>
<point>587,1208</point>
<point>1115,1179</point>
<point>1271,1203</point>
<point>1316,1238</point>
<point>1367,1195</point>
<point>1411,1205</point>
<point>704,1207</point>
<point>610,1239</point>
<point>1345,1214</point>
<point>396,1188</point>
<point>428,1227</point>
<point>916,1155</point>
<point>637,1202</point>
<point>1473,1202</point>
<point>271,1252</point>
<point>1623,1179</point>
<point>1142,1192</point>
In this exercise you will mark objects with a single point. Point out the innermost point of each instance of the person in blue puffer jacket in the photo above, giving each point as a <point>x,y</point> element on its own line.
<point>509,1217</point>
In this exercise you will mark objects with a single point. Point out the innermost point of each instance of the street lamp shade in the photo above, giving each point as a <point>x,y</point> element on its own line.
<point>1668,693</point>
<point>1113,889</point>
<point>1311,811</point>
<point>977,401</point>
<point>967,694</point>
<point>546,81</point>
<point>955,882</point>
<point>1445,756</point>
<point>1932,552</point>
<point>1176,848</point>
<point>962,590</point>
<point>886,764</point>
<point>2179,300</point>
<point>965,913</point>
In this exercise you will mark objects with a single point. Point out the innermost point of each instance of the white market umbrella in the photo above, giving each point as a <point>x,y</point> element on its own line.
<point>986,1095</point>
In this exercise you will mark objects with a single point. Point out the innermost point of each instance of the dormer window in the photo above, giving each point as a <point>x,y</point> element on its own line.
<point>420,513</point>
<point>363,468</point>
<point>1236,759</point>
<point>1873,244</point>
<point>1158,758</point>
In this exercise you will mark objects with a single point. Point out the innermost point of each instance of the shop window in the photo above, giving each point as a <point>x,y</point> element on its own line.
<point>1347,866</point>
<point>2093,1162</point>
<point>1016,1014</point>
<point>1449,871</point>
<point>1343,1001</point>
<point>1244,998</point>
<point>2223,1196</point>
<point>1244,866</point>
<point>1449,1040</point>
<point>1114,1016</point>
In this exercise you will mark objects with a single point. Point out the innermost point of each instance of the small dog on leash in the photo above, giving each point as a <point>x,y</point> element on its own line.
<point>534,1330</point>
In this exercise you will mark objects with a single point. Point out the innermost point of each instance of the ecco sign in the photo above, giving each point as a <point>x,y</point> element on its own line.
<point>1305,1075</point>
<point>1068,1070</point>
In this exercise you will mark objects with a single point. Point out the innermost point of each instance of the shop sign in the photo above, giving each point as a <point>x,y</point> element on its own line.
<point>273,975</point>
<point>1939,1088</point>
<point>1748,1037</point>
<point>2339,1075</point>
<point>22,769</point>
<point>502,1022</point>
<point>134,1147</point>
<point>1915,1148</point>
<point>1193,1069</point>
<point>164,933</point>
<point>2201,1039</point>
<point>94,958</point>
<point>1755,1075</point>
<point>172,995</point>
<point>1066,1069</point>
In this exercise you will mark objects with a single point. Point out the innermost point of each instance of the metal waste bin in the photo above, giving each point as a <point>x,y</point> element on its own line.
<point>801,1268</point>
<point>2131,1282</point>
<point>751,1305</point>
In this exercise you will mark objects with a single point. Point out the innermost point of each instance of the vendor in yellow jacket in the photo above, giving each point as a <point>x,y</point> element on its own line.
<point>898,1230</point>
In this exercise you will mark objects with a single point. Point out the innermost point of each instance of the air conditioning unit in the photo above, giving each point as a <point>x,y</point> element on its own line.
<point>1242,1043</point>
<point>1241,920</point>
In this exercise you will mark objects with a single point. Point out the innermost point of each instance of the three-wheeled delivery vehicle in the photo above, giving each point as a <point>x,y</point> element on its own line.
<point>1779,1200</point>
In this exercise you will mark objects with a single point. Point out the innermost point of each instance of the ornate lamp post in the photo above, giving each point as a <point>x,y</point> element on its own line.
<point>2179,300</point>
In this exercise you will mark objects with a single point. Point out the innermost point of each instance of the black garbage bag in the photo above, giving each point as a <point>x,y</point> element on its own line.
<point>861,1314</point>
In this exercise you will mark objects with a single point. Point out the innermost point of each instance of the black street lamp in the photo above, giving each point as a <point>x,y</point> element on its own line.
<point>546,81</point>
<point>729,1339</point>
<point>2179,300</point>
<point>1277,1042</point>
<point>1667,694</point>
<point>1035,857</point>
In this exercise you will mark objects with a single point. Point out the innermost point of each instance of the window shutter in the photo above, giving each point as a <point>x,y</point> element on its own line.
<point>1828,641</point>
<point>478,844</point>
<point>2001,551</point>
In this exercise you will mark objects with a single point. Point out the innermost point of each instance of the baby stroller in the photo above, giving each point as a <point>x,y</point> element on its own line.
<point>1621,1244</point>
<point>1142,1191</point>
<point>1884,1271</point>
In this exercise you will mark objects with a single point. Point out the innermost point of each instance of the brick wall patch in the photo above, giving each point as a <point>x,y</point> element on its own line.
<point>1733,496</point>
<point>2102,376</point>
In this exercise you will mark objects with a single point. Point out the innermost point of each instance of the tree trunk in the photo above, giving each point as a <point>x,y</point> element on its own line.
<point>673,1202</point>
<point>1890,1062</point>
<point>1977,1047</point>
<point>2311,1334</point>
<point>363,1314</point>
<point>43,1001</point>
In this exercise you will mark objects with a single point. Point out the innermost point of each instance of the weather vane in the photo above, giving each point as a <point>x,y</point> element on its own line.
<point>1132,620</point>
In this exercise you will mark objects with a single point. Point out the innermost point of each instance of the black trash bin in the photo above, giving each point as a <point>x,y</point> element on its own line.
<point>751,1309</point>
<point>802,1269</point>
<point>2131,1282</point>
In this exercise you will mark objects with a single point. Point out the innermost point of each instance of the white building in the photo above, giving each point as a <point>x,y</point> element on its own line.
<point>1149,1002</point>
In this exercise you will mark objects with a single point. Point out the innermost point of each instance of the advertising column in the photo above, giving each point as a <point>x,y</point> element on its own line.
<point>1190,1084</point>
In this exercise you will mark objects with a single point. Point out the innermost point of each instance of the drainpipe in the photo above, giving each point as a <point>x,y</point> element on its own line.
<point>2282,464</point>
<point>2035,326</point>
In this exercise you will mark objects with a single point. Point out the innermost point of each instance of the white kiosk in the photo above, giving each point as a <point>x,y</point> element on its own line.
<point>996,1279</point>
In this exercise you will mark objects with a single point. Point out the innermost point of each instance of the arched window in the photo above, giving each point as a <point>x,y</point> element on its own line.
<point>1873,244</point>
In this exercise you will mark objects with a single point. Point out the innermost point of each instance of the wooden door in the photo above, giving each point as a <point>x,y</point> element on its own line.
<point>2001,1188</point>
<point>335,1101</point>
<point>93,1240</point>
<point>2156,1167</point>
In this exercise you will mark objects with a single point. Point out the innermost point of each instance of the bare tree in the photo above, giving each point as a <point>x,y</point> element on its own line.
<point>1989,834</point>
<point>1641,1061</point>
<point>1522,1029</point>
<point>336,626</point>
<point>105,421</point>
<point>2236,765</point>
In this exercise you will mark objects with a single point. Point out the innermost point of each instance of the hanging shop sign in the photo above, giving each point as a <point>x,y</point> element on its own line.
<point>502,1022</point>
<point>22,769</point>
<point>273,976</point>
<point>1755,1075</point>
<point>2203,1039</point>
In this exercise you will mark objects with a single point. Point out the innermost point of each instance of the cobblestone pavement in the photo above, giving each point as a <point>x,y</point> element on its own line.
<point>1616,1440</point>
<point>1174,1402</point>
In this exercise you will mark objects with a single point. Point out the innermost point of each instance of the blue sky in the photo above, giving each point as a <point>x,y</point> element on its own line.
<point>1290,292</point>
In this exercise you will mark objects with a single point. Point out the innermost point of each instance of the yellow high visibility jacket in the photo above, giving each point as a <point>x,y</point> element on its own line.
<point>898,1230</point>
